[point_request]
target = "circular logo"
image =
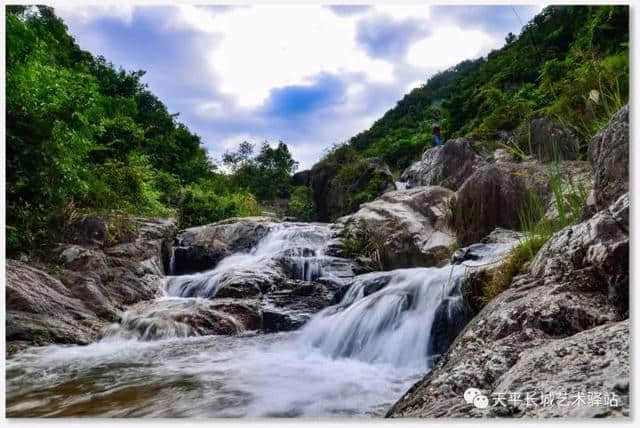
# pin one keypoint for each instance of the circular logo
(470, 394)
(481, 401)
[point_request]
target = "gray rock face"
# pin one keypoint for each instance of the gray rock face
(301, 178)
(88, 288)
(336, 196)
(201, 248)
(593, 361)
(412, 223)
(448, 165)
(89, 231)
(599, 246)
(557, 329)
(494, 196)
(40, 309)
(609, 155)
(551, 140)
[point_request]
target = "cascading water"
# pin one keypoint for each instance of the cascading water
(353, 358)
(401, 185)
(172, 260)
(301, 247)
(392, 325)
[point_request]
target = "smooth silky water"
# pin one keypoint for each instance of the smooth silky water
(352, 359)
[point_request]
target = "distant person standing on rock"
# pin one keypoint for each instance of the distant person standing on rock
(437, 139)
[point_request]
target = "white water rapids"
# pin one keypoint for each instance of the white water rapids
(353, 358)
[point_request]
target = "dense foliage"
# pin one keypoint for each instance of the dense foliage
(300, 204)
(570, 62)
(84, 136)
(267, 174)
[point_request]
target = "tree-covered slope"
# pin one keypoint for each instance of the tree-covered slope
(86, 137)
(554, 66)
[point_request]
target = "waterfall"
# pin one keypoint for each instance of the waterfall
(401, 185)
(172, 260)
(299, 247)
(391, 325)
(405, 317)
(193, 354)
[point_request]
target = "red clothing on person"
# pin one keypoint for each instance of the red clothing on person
(436, 131)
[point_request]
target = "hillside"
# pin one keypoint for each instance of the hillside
(560, 56)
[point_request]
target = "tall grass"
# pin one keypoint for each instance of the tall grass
(365, 241)
(569, 199)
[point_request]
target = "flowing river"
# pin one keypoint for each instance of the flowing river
(354, 358)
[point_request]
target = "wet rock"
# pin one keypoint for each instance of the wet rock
(201, 248)
(553, 311)
(609, 155)
(248, 283)
(494, 196)
(161, 319)
(448, 165)
(449, 320)
(293, 305)
(411, 224)
(336, 196)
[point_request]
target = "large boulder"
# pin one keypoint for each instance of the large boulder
(550, 140)
(42, 310)
(201, 248)
(495, 195)
(609, 155)
(448, 165)
(338, 189)
(411, 225)
(301, 178)
(88, 231)
(590, 364)
(558, 329)
(86, 286)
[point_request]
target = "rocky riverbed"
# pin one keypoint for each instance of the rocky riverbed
(264, 317)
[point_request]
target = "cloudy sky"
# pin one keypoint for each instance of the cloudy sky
(310, 75)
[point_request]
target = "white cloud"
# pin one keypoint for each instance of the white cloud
(237, 56)
(447, 46)
(265, 47)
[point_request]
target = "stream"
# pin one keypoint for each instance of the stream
(355, 358)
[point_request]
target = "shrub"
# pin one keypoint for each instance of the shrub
(301, 203)
(365, 241)
(200, 206)
(500, 279)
